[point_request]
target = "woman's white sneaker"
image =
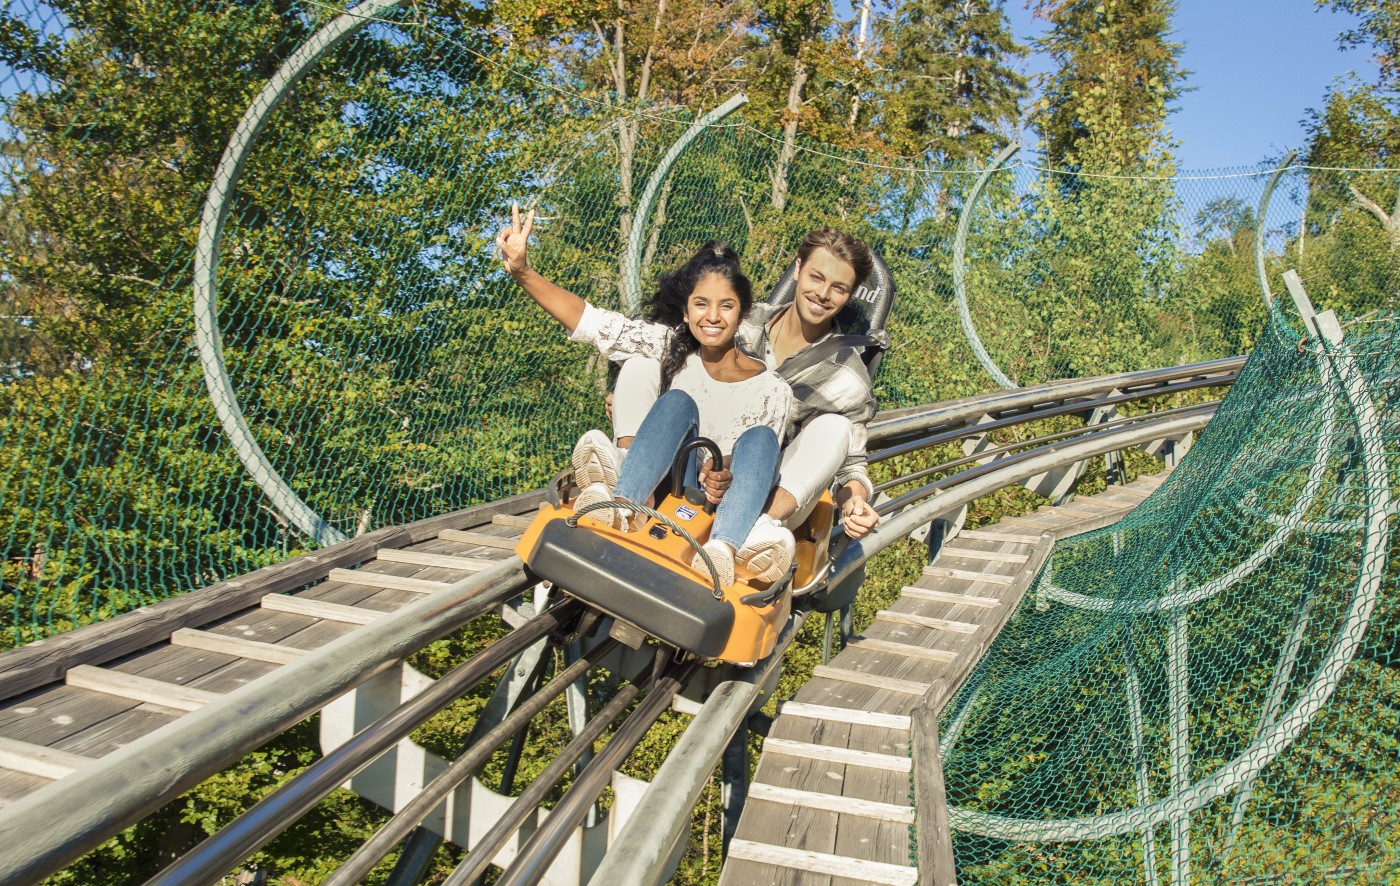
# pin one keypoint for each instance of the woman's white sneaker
(722, 556)
(768, 550)
(595, 460)
(617, 518)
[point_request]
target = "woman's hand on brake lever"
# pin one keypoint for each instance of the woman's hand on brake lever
(715, 482)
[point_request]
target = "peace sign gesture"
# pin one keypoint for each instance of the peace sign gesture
(513, 240)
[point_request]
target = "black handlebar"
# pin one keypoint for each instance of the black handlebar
(678, 467)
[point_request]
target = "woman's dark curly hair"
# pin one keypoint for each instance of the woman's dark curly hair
(667, 306)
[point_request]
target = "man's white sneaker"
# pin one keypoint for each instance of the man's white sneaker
(768, 550)
(595, 460)
(593, 493)
(722, 556)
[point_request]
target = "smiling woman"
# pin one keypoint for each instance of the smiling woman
(710, 390)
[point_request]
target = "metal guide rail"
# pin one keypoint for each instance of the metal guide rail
(140, 708)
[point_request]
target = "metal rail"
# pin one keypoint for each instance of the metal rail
(1050, 444)
(661, 820)
(902, 425)
(253, 829)
(56, 824)
(985, 454)
(546, 842)
(481, 855)
(473, 758)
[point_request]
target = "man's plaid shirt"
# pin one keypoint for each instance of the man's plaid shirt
(837, 384)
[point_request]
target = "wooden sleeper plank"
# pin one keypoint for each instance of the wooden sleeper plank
(123, 685)
(842, 756)
(968, 575)
(225, 644)
(925, 621)
(824, 863)
(320, 609)
(479, 538)
(974, 554)
(384, 580)
(986, 535)
(843, 715)
(949, 597)
(35, 759)
(832, 803)
(908, 650)
(514, 521)
(874, 681)
(443, 561)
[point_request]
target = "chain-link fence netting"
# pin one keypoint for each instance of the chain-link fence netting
(237, 197)
(1208, 689)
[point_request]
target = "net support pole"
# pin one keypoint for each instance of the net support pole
(1180, 702)
(636, 238)
(1133, 690)
(1260, 216)
(1302, 616)
(207, 336)
(960, 268)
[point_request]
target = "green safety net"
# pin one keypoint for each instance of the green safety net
(381, 361)
(1208, 690)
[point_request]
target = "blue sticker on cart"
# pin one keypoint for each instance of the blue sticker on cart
(684, 512)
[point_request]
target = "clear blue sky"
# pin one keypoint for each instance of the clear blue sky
(1256, 67)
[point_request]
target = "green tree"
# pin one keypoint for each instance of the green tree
(1105, 105)
(1352, 222)
(951, 94)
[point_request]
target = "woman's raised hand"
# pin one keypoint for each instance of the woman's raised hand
(513, 240)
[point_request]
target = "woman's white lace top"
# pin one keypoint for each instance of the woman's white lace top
(727, 409)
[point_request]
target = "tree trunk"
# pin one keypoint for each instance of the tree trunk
(800, 74)
(862, 36)
(1390, 221)
(659, 219)
(629, 130)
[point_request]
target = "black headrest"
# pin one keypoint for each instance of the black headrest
(866, 312)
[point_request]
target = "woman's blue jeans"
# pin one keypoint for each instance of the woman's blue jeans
(674, 421)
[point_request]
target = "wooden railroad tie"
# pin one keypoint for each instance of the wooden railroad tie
(35, 759)
(908, 650)
(384, 580)
(512, 520)
(925, 621)
(841, 756)
(986, 535)
(137, 688)
(975, 554)
(824, 863)
(950, 597)
(443, 561)
(241, 647)
(832, 803)
(864, 678)
(354, 615)
(843, 715)
(481, 539)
